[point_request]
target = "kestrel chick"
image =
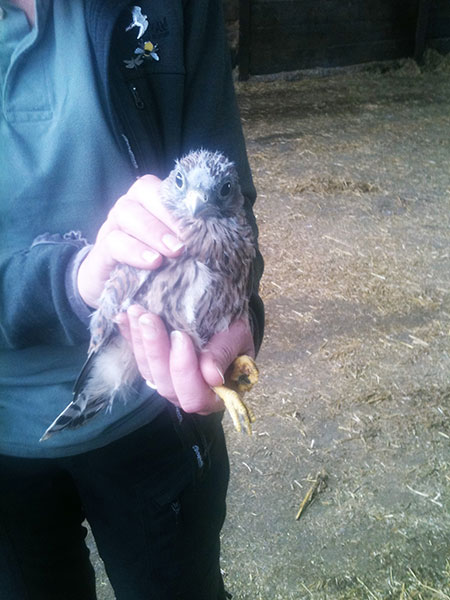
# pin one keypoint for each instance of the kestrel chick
(200, 292)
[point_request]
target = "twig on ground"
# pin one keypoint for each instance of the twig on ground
(320, 481)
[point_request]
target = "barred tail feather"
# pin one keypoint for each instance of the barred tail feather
(105, 374)
(76, 414)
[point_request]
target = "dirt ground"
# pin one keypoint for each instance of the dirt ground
(353, 173)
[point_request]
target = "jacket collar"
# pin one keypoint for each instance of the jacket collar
(102, 15)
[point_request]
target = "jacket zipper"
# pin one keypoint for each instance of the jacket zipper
(137, 99)
(133, 146)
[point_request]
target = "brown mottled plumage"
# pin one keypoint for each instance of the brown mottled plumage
(200, 292)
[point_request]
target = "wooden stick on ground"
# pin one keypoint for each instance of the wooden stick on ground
(318, 482)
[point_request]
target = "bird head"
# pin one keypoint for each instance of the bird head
(202, 185)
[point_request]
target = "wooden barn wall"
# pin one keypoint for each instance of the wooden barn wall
(285, 35)
(438, 34)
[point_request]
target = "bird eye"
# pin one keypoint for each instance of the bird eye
(179, 180)
(225, 189)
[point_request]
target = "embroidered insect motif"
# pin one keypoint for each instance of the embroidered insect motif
(148, 50)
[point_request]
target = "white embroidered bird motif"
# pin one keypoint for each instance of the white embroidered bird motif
(139, 20)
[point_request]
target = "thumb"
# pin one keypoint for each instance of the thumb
(223, 348)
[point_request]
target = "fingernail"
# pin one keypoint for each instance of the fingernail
(221, 374)
(150, 256)
(150, 384)
(172, 242)
(176, 337)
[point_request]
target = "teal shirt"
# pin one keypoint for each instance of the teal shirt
(60, 170)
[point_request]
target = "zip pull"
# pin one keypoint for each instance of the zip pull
(137, 99)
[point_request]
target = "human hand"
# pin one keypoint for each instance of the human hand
(139, 231)
(171, 364)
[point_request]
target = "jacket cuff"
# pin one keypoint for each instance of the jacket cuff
(77, 304)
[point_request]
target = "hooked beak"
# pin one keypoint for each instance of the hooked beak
(195, 201)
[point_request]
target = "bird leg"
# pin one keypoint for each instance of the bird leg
(240, 377)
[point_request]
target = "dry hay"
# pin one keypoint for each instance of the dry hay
(354, 219)
(435, 62)
(329, 185)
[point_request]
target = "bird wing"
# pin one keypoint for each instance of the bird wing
(119, 292)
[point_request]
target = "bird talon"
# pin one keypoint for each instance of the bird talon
(237, 409)
(239, 378)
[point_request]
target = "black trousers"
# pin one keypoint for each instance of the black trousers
(155, 501)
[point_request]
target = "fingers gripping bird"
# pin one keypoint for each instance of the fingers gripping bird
(200, 292)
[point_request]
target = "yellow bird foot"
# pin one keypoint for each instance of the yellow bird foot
(240, 377)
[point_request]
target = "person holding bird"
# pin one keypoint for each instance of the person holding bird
(127, 227)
